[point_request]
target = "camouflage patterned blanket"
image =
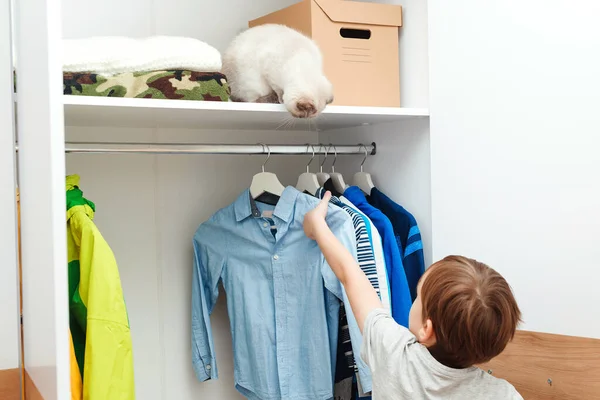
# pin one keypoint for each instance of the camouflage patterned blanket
(177, 84)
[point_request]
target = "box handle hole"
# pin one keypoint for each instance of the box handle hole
(350, 33)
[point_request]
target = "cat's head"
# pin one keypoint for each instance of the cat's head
(308, 98)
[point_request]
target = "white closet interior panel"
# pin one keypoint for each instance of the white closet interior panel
(213, 21)
(41, 166)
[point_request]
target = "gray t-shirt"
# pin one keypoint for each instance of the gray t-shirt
(402, 368)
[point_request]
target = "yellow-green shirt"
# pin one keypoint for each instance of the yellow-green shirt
(98, 316)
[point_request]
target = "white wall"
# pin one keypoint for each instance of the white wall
(9, 308)
(515, 144)
(148, 208)
(213, 21)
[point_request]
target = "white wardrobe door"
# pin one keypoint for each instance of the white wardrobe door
(515, 144)
(9, 307)
(41, 168)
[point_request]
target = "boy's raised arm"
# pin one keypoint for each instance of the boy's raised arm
(361, 294)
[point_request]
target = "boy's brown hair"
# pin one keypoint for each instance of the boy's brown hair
(473, 311)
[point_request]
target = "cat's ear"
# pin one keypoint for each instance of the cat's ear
(330, 100)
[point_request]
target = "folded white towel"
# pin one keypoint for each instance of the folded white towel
(114, 55)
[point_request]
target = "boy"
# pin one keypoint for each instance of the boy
(465, 314)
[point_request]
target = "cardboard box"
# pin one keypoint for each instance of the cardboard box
(359, 42)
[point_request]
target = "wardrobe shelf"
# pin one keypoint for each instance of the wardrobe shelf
(149, 113)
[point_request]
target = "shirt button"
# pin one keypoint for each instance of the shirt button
(265, 224)
(208, 367)
(275, 257)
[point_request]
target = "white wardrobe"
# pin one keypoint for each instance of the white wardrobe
(495, 152)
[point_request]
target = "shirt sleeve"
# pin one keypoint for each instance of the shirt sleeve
(205, 280)
(108, 338)
(383, 337)
(342, 227)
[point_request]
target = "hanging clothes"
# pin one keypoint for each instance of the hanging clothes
(282, 298)
(351, 388)
(98, 316)
(407, 234)
(76, 384)
(400, 293)
(346, 365)
(377, 246)
(364, 249)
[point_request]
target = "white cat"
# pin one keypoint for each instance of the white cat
(276, 64)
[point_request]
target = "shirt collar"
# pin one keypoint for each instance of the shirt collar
(375, 193)
(245, 206)
(355, 195)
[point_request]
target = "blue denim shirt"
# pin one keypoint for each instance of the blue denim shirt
(282, 297)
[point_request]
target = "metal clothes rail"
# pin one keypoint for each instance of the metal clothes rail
(190, 148)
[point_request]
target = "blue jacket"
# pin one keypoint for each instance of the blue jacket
(408, 237)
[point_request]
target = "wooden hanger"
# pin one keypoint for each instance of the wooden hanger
(265, 186)
(307, 181)
(363, 179)
(322, 176)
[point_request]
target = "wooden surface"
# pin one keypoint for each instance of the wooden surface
(572, 364)
(10, 384)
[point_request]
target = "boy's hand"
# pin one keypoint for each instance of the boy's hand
(315, 219)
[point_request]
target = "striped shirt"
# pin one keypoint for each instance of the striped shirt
(364, 248)
(384, 287)
(366, 261)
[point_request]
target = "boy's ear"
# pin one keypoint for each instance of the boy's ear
(427, 334)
